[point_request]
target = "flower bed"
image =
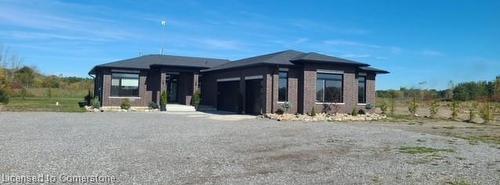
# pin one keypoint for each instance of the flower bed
(325, 117)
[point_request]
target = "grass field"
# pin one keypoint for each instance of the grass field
(43, 104)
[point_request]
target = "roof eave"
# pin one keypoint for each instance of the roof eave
(328, 62)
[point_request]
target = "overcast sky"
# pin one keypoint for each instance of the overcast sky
(417, 41)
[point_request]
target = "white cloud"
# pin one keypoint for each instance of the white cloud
(58, 25)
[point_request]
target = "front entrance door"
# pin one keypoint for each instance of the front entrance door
(253, 98)
(172, 84)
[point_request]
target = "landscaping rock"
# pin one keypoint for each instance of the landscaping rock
(325, 117)
(477, 119)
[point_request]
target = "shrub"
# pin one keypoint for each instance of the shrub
(354, 112)
(368, 106)
(383, 107)
(472, 111)
(412, 107)
(454, 109)
(163, 100)
(153, 105)
(313, 112)
(125, 104)
(4, 97)
(434, 108)
(286, 106)
(361, 111)
(196, 99)
(95, 103)
(486, 112)
(280, 111)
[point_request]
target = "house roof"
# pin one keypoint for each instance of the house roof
(312, 56)
(287, 57)
(368, 68)
(144, 62)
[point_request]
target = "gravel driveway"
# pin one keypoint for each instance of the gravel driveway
(156, 148)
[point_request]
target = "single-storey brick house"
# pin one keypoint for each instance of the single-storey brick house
(288, 80)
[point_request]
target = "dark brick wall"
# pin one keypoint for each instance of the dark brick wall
(301, 87)
(141, 101)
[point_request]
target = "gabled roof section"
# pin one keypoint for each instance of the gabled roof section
(367, 68)
(144, 62)
(316, 57)
(279, 58)
(287, 57)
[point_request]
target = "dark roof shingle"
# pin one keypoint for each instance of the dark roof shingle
(144, 62)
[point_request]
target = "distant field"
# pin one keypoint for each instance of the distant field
(401, 109)
(43, 104)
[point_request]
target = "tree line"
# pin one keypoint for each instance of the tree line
(17, 79)
(465, 91)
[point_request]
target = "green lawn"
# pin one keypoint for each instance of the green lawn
(43, 104)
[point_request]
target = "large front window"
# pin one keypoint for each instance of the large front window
(283, 87)
(329, 88)
(124, 84)
(361, 89)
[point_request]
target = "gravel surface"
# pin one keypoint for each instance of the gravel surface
(156, 148)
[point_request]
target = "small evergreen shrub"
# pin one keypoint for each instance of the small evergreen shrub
(196, 99)
(125, 104)
(354, 112)
(313, 112)
(163, 100)
(362, 112)
(280, 111)
(95, 103)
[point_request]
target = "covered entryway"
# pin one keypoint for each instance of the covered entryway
(228, 96)
(253, 96)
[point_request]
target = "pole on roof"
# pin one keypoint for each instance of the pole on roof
(164, 25)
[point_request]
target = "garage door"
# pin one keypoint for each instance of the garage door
(228, 96)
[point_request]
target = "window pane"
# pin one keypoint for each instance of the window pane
(115, 82)
(319, 90)
(125, 75)
(329, 76)
(333, 91)
(283, 86)
(123, 84)
(132, 83)
(361, 89)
